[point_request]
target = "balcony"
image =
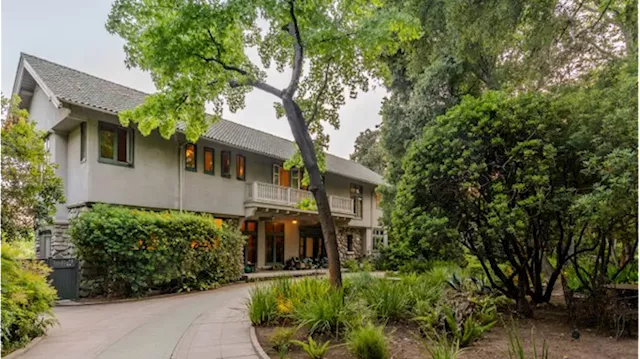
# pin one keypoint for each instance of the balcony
(279, 197)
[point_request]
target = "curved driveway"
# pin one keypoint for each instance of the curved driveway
(210, 325)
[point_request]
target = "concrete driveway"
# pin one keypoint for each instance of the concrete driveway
(208, 325)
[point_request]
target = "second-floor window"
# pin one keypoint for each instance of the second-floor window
(356, 196)
(116, 144)
(225, 164)
(241, 163)
(190, 157)
(209, 155)
(296, 181)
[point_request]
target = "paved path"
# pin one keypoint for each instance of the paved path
(208, 325)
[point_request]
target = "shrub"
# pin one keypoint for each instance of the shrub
(130, 251)
(352, 265)
(313, 349)
(262, 305)
(26, 299)
(368, 342)
(281, 338)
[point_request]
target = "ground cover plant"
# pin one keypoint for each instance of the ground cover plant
(358, 317)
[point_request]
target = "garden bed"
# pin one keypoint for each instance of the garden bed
(550, 325)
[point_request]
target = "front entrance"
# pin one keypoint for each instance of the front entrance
(312, 243)
(274, 243)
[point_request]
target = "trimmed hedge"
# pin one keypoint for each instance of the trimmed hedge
(130, 252)
(26, 299)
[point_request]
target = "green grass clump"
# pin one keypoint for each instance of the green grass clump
(389, 299)
(368, 342)
(323, 314)
(262, 305)
(442, 348)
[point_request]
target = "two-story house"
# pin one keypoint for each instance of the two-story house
(233, 172)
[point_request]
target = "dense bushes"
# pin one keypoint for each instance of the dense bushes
(26, 299)
(128, 252)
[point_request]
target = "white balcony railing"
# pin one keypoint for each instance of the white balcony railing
(285, 196)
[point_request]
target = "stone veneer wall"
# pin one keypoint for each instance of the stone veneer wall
(358, 240)
(61, 245)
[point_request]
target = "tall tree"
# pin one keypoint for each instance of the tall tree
(195, 51)
(368, 151)
(470, 47)
(30, 187)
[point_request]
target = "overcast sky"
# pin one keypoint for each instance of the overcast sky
(72, 33)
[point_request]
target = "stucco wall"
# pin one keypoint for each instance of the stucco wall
(41, 110)
(77, 170)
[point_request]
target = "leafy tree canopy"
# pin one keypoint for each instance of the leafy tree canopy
(517, 178)
(368, 151)
(195, 52)
(30, 187)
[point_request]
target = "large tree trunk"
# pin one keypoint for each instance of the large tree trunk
(309, 158)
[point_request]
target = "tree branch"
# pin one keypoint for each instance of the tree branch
(323, 88)
(259, 85)
(298, 53)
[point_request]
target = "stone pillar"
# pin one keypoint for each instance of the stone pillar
(357, 235)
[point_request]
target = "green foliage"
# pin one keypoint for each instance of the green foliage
(195, 52)
(262, 305)
(281, 338)
(26, 299)
(322, 314)
(30, 187)
(307, 204)
(470, 330)
(358, 265)
(368, 342)
(388, 299)
(131, 251)
(368, 151)
(314, 350)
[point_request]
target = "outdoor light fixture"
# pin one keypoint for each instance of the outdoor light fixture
(295, 221)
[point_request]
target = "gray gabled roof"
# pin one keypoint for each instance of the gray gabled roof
(79, 88)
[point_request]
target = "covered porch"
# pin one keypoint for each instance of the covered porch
(288, 239)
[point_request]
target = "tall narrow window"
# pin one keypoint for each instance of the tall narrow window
(115, 144)
(274, 243)
(83, 142)
(350, 242)
(209, 155)
(225, 164)
(241, 162)
(275, 174)
(190, 157)
(295, 178)
(356, 196)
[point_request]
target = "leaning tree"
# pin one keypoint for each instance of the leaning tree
(196, 54)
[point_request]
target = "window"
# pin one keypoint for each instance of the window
(83, 142)
(209, 155)
(116, 144)
(275, 174)
(250, 229)
(274, 242)
(225, 164)
(378, 239)
(191, 157)
(350, 242)
(378, 198)
(295, 178)
(240, 167)
(356, 195)
(47, 143)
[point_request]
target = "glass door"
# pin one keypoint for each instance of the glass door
(274, 243)
(250, 229)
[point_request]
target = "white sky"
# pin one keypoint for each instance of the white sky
(72, 33)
